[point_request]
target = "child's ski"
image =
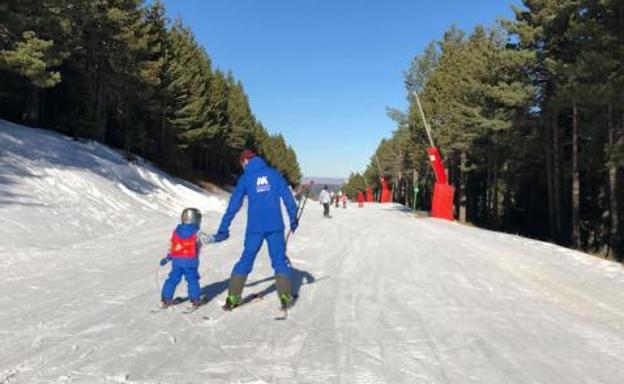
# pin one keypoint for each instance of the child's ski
(191, 308)
(158, 308)
(163, 307)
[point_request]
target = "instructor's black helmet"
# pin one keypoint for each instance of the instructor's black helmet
(191, 216)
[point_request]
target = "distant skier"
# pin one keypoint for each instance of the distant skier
(264, 188)
(360, 199)
(325, 199)
(186, 243)
(344, 201)
(337, 199)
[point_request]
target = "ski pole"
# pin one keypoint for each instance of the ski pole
(300, 208)
(296, 218)
(304, 196)
(305, 200)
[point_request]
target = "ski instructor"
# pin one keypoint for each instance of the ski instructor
(264, 187)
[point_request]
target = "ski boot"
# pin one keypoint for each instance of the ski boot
(286, 301)
(232, 301)
(284, 291)
(235, 292)
(163, 305)
(193, 306)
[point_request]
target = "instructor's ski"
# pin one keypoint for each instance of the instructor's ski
(164, 307)
(286, 309)
(251, 298)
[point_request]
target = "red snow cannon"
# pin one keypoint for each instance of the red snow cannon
(369, 195)
(443, 193)
(436, 164)
(386, 195)
(360, 199)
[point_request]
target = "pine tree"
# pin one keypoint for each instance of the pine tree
(22, 49)
(119, 72)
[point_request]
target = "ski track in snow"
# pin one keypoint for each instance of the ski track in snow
(384, 297)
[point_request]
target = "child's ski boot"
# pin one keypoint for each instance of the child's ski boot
(195, 304)
(164, 304)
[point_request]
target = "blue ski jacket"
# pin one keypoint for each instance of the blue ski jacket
(264, 187)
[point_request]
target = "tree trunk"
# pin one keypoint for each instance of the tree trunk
(576, 182)
(557, 176)
(495, 191)
(100, 109)
(487, 209)
(31, 113)
(163, 125)
(127, 141)
(414, 188)
(550, 184)
(613, 207)
(462, 188)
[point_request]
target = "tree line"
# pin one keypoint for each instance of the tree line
(529, 115)
(122, 73)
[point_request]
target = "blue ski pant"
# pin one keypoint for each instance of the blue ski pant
(192, 280)
(277, 252)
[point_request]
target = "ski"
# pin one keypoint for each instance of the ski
(286, 309)
(192, 308)
(161, 307)
(158, 308)
(284, 316)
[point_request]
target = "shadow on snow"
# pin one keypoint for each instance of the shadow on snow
(299, 278)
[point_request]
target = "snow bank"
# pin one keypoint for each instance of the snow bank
(54, 189)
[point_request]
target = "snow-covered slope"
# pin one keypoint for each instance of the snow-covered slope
(55, 190)
(384, 297)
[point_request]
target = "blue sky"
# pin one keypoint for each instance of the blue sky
(322, 72)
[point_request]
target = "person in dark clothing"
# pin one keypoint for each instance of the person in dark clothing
(325, 199)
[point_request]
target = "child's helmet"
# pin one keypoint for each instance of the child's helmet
(191, 216)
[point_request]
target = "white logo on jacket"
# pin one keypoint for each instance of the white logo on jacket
(262, 184)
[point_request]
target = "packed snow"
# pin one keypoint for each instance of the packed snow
(384, 297)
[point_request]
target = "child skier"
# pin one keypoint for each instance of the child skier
(186, 242)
